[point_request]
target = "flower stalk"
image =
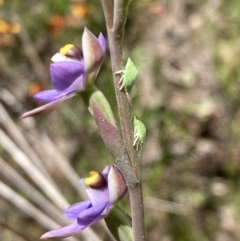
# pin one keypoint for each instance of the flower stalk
(73, 72)
(115, 36)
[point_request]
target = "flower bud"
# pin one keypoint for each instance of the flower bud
(106, 123)
(93, 52)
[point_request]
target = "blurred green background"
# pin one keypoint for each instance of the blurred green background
(187, 94)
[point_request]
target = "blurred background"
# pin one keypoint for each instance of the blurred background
(187, 94)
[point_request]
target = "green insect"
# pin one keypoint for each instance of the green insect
(139, 132)
(129, 75)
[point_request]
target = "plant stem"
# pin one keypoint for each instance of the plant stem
(108, 12)
(115, 36)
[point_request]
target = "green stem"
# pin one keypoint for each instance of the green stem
(115, 36)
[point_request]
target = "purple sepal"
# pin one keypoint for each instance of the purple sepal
(44, 108)
(73, 211)
(88, 216)
(63, 232)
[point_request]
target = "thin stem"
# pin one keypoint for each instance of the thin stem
(108, 12)
(120, 15)
(115, 36)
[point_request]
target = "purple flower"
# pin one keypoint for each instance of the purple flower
(71, 71)
(104, 191)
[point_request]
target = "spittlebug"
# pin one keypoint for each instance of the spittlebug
(139, 132)
(129, 75)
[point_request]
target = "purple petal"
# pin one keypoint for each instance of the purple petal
(91, 215)
(102, 41)
(97, 196)
(60, 58)
(105, 172)
(63, 232)
(48, 95)
(44, 108)
(76, 86)
(64, 74)
(73, 211)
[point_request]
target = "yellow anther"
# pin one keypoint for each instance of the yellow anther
(93, 177)
(65, 50)
(95, 180)
(71, 51)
